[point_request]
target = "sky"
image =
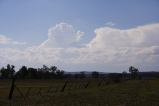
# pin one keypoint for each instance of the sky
(80, 35)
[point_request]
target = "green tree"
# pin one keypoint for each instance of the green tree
(95, 74)
(82, 74)
(4, 73)
(134, 72)
(59, 73)
(32, 73)
(22, 73)
(7, 72)
(124, 74)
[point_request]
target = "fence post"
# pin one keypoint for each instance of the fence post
(64, 86)
(100, 83)
(11, 89)
(87, 84)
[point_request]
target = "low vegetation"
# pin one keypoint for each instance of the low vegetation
(50, 93)
(49, 86)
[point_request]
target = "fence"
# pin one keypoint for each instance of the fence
(33, 95)
(131, 93)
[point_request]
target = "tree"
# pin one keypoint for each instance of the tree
(10, 69)
(95, 74)
(134, 72)
(59, 73)
(22, 73)
(82, 74)
(7, 72)
(32, 73)
(53, 69)
(4, 73)
(115, 77)
(124, 74)
(0, 74)
(45, 68)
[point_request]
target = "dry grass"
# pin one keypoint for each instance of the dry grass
(47, 92)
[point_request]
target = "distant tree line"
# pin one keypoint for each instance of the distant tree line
(53, 72)
(45, 72)
(31, 73)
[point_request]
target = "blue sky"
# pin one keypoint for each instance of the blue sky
(28, 21)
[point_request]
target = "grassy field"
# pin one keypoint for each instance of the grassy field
(77, 93)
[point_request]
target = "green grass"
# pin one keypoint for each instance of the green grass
(129, 93)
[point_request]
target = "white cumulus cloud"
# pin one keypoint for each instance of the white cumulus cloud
(111, 47)
(132, 46)
(62, 35)
(136, 37)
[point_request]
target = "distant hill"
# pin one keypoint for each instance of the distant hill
(86, 72)
(149, 74)
(145, 75)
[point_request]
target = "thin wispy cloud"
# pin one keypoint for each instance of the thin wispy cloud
(110, 24)
(8, 41)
